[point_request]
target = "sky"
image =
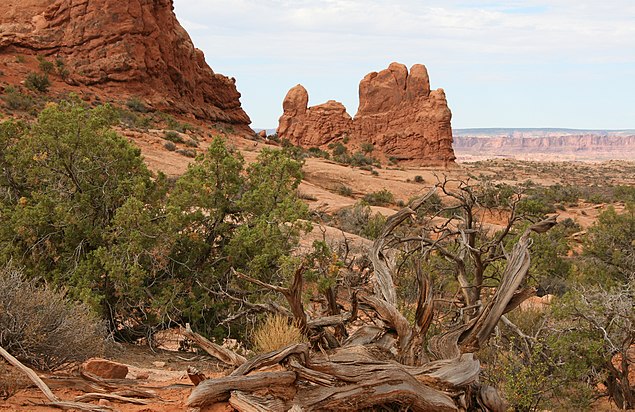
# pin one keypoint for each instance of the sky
(532, 63)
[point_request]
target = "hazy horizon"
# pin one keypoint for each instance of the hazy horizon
(511, 64)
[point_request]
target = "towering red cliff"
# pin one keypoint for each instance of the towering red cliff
(126, 47)
(397, 113)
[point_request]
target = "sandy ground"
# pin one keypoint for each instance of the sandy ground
(166, 376)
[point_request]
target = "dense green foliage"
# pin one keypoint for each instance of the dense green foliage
(610, 247)
(569, 350)
(81, 209)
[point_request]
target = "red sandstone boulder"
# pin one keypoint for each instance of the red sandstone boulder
(397, 113)
(105, 369)
(126, 48)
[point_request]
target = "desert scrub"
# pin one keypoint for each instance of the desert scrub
(359, 220)
(169, 146)
(173, 136)
(41, 327)
(136, 105)
(45, 65)
(60, 68)
(276, 332)
(11, 380)
(383, 197)
(14, 100)
(131, 119)
(317, 152)
(344, 190)
(187, 152)
(37, 82)
(191, 143)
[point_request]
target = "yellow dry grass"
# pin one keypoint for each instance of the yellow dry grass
(274, 333)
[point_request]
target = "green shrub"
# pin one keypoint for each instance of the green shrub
(37, 82)
(419, 179)
(535, 207)
(45, 65)
(317, 152)
(360, 159)
(191, 143)
(173, 136)
(296, 152)
(187, 152)
(133, 120)
(359, 220)
(367, 147)
(383, 197)
(338, 149)
(42, 328)
(174, 124)
(136, 105)
(169, 146)
(60, 68)
(343, 190)
(14, 100)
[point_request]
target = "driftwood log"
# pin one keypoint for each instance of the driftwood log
(392, 361)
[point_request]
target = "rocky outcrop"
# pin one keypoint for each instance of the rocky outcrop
(398, 114)
(129, 47)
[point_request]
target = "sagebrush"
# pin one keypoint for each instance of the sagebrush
(42, 328)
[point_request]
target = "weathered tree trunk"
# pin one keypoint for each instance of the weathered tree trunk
(223, 354)
(244, 402)
(364, 371)
(219, 390)
(350, 377)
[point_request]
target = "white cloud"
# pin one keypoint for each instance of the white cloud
(347, 38)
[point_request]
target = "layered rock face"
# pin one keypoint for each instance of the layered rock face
(132, 46)
(397, 113)
(538, 143)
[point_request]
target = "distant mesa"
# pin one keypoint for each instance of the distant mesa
(124, 47)
(398, 114)
(542, 143)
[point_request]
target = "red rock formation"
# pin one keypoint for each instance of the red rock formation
(397, 113)
(129, 47)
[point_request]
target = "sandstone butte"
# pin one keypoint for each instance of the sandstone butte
(126, 48)
(398, 114)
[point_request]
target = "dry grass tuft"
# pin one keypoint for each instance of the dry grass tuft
(276, 332)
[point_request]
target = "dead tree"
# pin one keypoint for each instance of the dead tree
(393, 360)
